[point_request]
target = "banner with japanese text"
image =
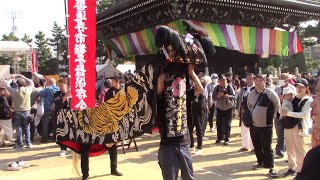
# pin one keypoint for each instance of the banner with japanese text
(82, 51)
(35, 61)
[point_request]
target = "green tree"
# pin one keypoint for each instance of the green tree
(104, 4)
(268, 64)
(6, 60)
(309, 35)
(101, 51)
(297, 60)
(312, 64)
(59, 45)
(44, 53)
(26, 38)
(10, 37)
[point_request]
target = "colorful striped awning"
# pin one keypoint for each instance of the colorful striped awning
(141, 42)
(248, 40)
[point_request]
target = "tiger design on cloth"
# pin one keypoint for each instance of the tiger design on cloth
(127, 115)
(113, 110)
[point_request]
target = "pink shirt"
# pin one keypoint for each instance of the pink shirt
(102, 94)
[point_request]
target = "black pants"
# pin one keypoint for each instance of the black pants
(262, 139)
(224, 124)
(32, 130)
(85, 158)
(198, 125)
(211, 116)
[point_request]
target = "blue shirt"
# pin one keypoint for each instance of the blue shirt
(48, 95)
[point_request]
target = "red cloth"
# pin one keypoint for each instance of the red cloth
(94, 150)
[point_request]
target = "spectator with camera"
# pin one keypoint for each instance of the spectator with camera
(225, 97)
(21, 90)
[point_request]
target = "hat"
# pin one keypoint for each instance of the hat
(222, 77)
(214, 76)
(302, 82)
(287, 90)
(3, 84)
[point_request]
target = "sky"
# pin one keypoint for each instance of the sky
(32, 16)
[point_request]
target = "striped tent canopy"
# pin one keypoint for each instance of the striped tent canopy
(248, 40)
(141, 42)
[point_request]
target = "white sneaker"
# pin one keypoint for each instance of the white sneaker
(198, 152)
(14, 167)
(212, 130)
(63, 153)
(23, 164)
(302, 134)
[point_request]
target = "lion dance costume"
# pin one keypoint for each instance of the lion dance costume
(130, 113)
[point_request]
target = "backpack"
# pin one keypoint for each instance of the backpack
(5, 109)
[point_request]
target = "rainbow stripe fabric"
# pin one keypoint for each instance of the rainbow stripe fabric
(248, 40)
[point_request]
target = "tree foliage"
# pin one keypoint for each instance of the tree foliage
(59, 45)
(297, 60)
(26, 38)
(309, 35)
(101, 51)
(44, 52)
(104, 4)
(6, 60)
(10, 37)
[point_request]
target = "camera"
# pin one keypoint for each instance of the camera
(224, 92)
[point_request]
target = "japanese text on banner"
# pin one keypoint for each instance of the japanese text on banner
(81, 25)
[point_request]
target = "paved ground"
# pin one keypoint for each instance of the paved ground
(218, 162)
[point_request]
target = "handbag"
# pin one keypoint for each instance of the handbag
(247, 114)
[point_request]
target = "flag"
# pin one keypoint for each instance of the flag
(82, 51)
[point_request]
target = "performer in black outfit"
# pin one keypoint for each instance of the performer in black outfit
(112, 149)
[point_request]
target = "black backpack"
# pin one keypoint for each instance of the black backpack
(5, 110)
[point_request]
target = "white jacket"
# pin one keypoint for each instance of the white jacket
(304, 114)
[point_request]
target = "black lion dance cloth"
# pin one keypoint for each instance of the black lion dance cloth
(130, 113)
(127, 115)
(176, 52)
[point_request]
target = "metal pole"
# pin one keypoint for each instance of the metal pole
(67, 37)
